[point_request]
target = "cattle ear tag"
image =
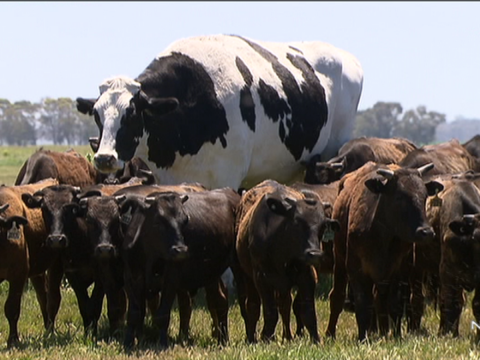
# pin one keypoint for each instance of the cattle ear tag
(328, 234)
(127, 217)
(436, 201)
(14, 232)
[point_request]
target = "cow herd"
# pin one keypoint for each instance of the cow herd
(227, 153)
(387, 228)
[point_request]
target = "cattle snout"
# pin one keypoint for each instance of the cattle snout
(424, 233)
(313, 256)
(105, 163)
(105, 251)
(178, 252)
(59, 241)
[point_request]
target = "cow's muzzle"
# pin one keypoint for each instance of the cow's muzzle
(178, 252)
(58, 241)
(105, 251)
(424, 233)
(105, 163)
(312, 257)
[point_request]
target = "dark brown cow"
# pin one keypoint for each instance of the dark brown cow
(278, 240)
(449, 158)
(186, 239)
(454, 256)
(23, 256)
(381, 209)
(67, 233)
(355, 153)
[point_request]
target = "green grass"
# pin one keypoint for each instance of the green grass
(68, 341)
(13, 157)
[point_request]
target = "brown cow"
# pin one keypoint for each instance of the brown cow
(23, 256)
(473, 146)
(381, 209)
(448, 157)
(70, 167)
(278, 235)
(355, 153)
(454, 255)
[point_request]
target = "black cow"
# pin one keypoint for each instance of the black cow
(185, 241)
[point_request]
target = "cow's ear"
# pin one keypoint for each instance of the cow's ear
(85, 106)
(19, 220)
(157, 106)
(460, 227)
(376, 185)
(333, 224)
(279, 206)
(32, 202)
(433, 187)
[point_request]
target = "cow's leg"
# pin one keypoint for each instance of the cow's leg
(396, 305)
(284, 302)
(217, 302)
(337, 295)
(80, 287)
(269, 307)
(297, 311)
(306, 296)
(13, 305)
(476, 311)
(39, 284)
(362, 288)
(417, 299)
(135, 287)
(381, 297)
(451, 304)
(95, 305)
(54, 296)
(116, 308)
(185, 313)
(162, 317)
(252, 309)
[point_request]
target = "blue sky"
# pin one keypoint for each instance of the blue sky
(414, 53)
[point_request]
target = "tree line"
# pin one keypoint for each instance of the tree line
(57, 121)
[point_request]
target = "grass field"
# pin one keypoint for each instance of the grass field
(68, 341)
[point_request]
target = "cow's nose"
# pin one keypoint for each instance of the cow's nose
(178, 252)
(105, 251)
(104, 161)
(57, 241)
(313, 256)
(424, 233)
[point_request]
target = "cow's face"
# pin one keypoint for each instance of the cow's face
(53, 202)
(118, 113)
(401, 209)
(298, 222)
(102, 216)
(462, 248)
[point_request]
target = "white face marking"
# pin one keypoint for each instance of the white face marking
(115, 96)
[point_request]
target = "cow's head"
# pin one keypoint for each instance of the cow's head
(461, 247)
(118, 113)
(300, 224)
(102, 216)
(54, 203)
(402, 197)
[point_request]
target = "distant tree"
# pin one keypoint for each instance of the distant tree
(378, 121)
(17, 121)
(460, 129)
(419, 125)
(386, 120)
(63, 124)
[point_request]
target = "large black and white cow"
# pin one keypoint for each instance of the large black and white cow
(225, 110)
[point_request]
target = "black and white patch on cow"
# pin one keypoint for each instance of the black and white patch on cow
(228, 111)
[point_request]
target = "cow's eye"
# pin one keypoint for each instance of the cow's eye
(129, 112)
